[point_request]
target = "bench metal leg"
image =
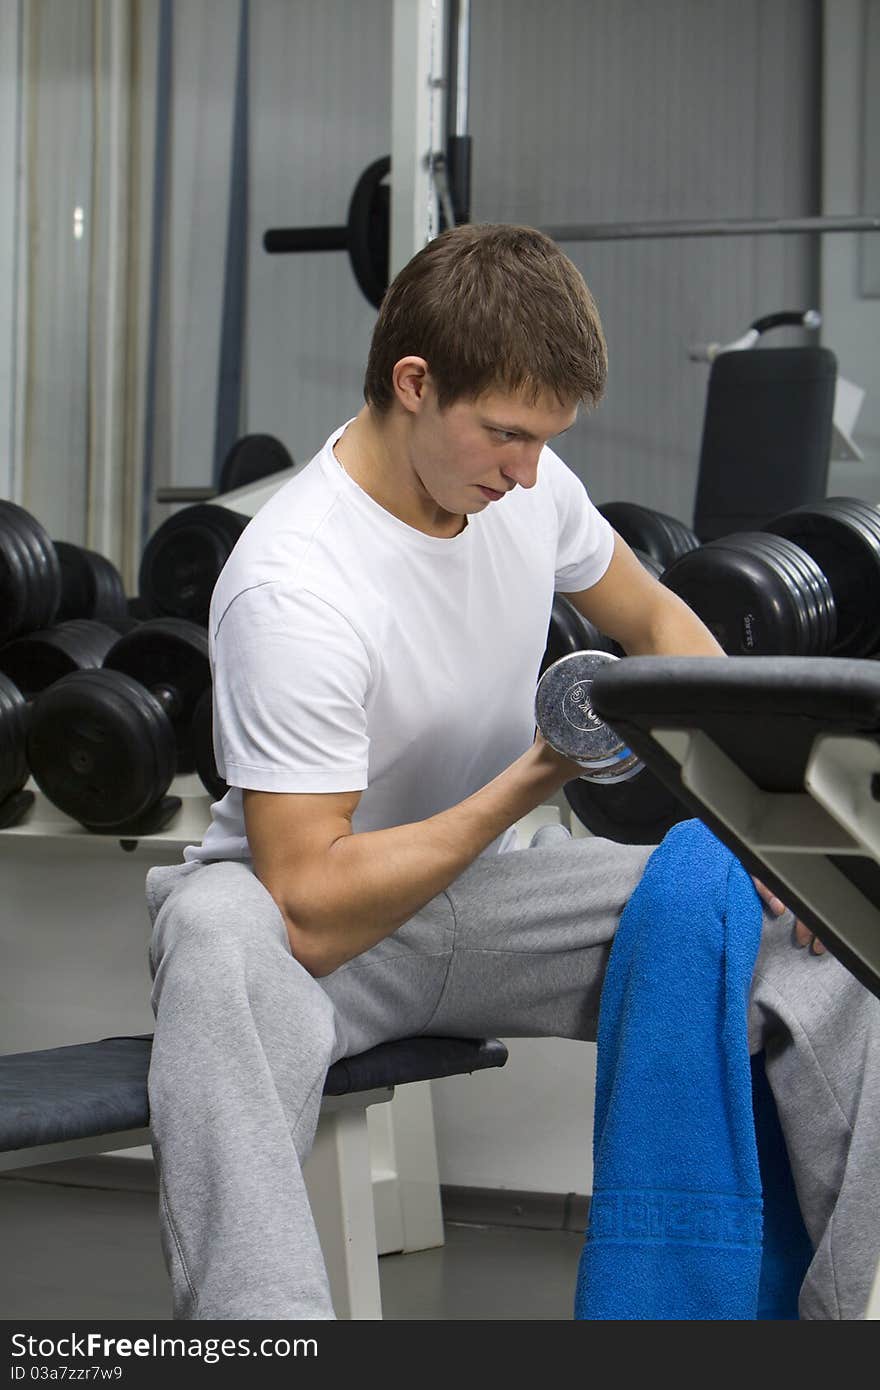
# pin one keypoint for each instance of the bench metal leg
(339, 1183)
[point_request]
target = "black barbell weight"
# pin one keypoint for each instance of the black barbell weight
(30, 574)
(105, 745)
(661, 538)
(183, 558)
(28, 666)
(91, 587)
(366, 235)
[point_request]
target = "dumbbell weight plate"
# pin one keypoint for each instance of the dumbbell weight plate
(842, 534)
(37, 660)
(91, 586)
(100, 748)
(565, 718)
(203, 742)
(661, 537)
(569, 632)
(168, 654)
(13, 733)
(807, 585)
(183, 559)
(743, 597)
(30, 576)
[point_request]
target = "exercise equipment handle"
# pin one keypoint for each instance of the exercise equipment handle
(280, 241)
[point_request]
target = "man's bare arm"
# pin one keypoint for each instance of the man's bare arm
(340, 892)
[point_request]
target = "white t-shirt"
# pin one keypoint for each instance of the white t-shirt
(351, 652)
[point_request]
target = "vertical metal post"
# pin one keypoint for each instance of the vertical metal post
(416, 124)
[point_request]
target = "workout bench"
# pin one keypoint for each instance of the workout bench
(91, 1098)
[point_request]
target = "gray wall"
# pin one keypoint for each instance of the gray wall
(581, 110)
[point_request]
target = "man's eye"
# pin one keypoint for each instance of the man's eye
(504, 434)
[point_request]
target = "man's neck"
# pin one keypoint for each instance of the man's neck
(374, 451)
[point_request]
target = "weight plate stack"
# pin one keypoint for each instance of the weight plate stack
(30, 575)
(169, 658)
(91, 587)
(757, 600)
(842, 537)
(663, 538)
(183, 559)
(203, 743)
(38, 660)
(99, 748)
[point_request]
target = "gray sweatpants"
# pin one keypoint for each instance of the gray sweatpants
(516, 947)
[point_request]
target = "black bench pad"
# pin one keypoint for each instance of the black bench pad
(89, 1089)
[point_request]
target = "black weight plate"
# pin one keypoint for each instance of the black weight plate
(822, 611)
(100, 748)
(252, 457)
(91, 585)
(169, 657)
(203, 743)
(569, 632)
(16, 582)
(38, 659)
(741, 597)
(369, 234)
(682, 539)
(44, 567)
(183, 559)
(842, 534)
(804, 619)
(804, 607)
(640, 527)
(637, 812)
(13, 736)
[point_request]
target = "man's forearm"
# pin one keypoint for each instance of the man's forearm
(368, 884)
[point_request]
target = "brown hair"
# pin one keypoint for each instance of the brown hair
(490, 306)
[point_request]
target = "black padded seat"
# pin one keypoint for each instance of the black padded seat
(90, 1089)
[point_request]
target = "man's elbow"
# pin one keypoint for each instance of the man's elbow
(311, 948)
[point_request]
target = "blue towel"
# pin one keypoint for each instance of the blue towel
(676, 1215)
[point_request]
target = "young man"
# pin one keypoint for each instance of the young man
(376, 637)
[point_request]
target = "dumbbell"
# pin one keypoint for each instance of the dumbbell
(615, 796)
(91, 587)
(28, 666)
(807, 584)
(566, 720)
(658, 537)
(104, 745)
(183, 558)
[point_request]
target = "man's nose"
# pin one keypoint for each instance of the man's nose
(524, 468)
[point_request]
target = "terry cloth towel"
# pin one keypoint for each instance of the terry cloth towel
(675, 1226)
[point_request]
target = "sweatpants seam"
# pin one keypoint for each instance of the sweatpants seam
(444, 989)
(172, 1226)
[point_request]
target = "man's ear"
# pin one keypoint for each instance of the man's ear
(410, 378)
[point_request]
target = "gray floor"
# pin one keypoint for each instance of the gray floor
(75, 1251)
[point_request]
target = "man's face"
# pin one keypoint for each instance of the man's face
(470, 455)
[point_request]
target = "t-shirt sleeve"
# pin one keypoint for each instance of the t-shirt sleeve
(585, 539)
(291, 680)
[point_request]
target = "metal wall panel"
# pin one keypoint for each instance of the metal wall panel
(321, 111)
(583, 111)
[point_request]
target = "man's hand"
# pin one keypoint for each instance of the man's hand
(802, 935)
